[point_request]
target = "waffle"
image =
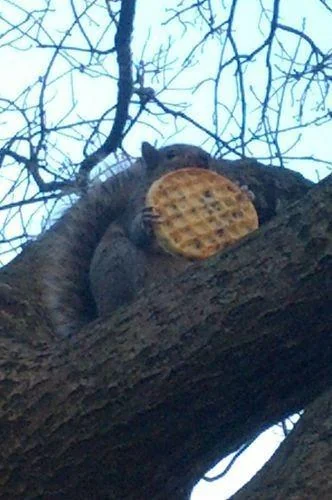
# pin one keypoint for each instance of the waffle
(197, 212)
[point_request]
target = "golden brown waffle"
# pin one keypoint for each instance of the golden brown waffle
(200, 212)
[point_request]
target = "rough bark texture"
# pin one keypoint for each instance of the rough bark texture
(140, 405)
(302, 466)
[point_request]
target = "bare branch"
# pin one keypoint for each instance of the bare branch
(125, 87)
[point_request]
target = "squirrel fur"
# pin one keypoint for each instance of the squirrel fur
(104, 251)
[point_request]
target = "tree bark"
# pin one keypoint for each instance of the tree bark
(140, 405)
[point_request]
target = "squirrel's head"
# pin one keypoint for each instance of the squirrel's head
(174, 157)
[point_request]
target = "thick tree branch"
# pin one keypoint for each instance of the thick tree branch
(188, 373)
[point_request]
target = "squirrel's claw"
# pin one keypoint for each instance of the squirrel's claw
(246, 190)
(149, 217)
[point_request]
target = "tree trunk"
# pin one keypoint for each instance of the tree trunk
(140, 405)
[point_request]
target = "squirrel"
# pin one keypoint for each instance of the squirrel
(104, 250)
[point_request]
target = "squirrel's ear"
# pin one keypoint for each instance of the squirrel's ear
(150, 155)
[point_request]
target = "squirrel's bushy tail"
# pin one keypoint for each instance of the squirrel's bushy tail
(66, 291)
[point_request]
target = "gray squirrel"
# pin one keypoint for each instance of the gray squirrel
(104, 251)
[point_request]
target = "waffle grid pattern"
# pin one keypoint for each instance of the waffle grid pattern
(201, 212)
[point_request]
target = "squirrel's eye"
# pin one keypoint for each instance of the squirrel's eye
(203, 157)
(171, 154)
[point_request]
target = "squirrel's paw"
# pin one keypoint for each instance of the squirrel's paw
(149, 217)
(245, 190)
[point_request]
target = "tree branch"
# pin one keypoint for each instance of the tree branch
(224, 348)
(125, 87)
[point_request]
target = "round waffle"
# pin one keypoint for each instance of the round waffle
(198, 212)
